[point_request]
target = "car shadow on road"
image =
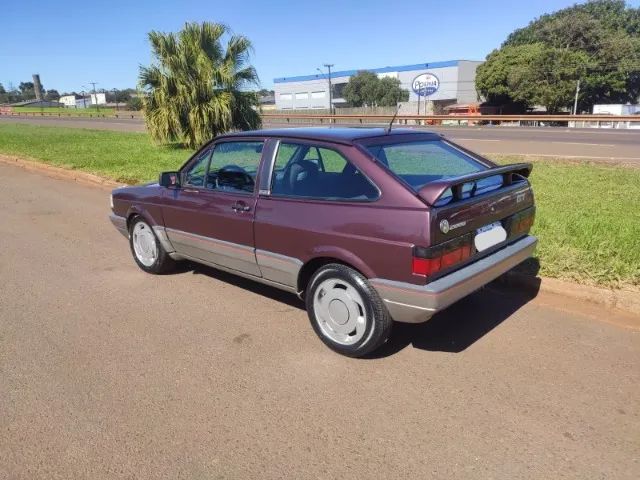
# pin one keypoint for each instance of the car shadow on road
(462, 324)
(246, 284)
(453, 330)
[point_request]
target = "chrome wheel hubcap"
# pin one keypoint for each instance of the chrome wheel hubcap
(339, 311)
(144, 244)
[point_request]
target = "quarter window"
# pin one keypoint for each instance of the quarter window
(310, 171)
(234, 166)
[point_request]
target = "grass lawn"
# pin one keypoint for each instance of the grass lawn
(588, 217)
(124, 157)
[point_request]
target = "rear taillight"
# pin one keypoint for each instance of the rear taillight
(428, 261)
(521, 222)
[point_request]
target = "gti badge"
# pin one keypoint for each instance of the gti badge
(444, 226)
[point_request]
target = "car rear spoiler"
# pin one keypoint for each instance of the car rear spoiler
(432, 191)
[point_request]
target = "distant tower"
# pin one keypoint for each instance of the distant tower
(37, 86)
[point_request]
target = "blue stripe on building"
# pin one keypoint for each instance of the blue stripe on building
(348, 73)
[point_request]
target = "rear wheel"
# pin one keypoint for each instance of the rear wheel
(146, 249)
(346, 312)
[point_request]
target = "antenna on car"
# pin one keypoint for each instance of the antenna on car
(393, 118)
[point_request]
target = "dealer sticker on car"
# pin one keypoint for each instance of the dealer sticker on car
(489, 235)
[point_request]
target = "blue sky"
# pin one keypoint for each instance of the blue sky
(71, 43)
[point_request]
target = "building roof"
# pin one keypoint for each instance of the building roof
(36, 102)
(348, 73)
(343, 135)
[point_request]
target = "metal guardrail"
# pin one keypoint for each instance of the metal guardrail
(440, 118)
(351, 118)
(69, 115)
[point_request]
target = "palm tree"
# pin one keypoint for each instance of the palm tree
(196, 89)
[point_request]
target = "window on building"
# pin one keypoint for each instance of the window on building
(318, 94)
(338, 89)
(309, 171)
(302, 95)
(286, 97)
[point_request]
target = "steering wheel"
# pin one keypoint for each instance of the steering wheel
(235, 177)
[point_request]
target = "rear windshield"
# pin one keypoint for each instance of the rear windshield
(424, 161)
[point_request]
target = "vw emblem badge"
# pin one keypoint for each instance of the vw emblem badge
(444, 226)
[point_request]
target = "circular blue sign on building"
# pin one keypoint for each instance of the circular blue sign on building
(425, 84)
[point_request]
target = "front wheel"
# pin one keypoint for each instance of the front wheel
(346, 312)
(146, 249)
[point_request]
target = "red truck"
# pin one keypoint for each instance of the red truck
(367, 226)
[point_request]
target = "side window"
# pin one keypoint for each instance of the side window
(234, 166)
(194, 176)
(309, 171)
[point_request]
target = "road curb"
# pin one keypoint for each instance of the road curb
(60, 172)
(624, 299)
(627, 300)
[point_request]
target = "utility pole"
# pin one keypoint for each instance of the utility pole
(329, 65)
(95, 97)
(575, 101)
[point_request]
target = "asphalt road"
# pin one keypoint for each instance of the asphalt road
(107, 372)
(617, 146)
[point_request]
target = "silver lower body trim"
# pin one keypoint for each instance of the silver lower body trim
(279, 268)
(411, 303)
(264, 281)
(120, 223)
(237, 257)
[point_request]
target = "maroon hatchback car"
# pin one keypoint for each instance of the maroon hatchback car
(367, 226)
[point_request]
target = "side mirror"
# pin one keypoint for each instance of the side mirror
(169, 179)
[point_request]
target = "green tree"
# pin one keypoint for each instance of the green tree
(197, 88)
(389, 93)
(532, 74)
(598, 42)
(361, 88)
(26, 87)
(52, 95)
(134, 104)
(367, 89)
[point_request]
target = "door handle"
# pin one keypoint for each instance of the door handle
(190, 190)
(239, 207)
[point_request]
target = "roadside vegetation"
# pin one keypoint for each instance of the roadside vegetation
(596, 43)
(366, 89)
(588, 217)
(197, 87)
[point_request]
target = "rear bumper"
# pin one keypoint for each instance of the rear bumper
(411, 303)
(120, 223)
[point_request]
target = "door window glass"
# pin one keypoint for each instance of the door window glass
(234, 166)
(195, 174)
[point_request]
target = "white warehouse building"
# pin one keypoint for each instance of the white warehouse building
(77, 101)
(443, 83)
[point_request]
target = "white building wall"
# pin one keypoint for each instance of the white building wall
(467, 92)
(456, 85)
(68, 100)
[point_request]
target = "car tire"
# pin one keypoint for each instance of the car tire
(346, 312)
(147, 250)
